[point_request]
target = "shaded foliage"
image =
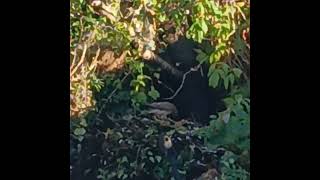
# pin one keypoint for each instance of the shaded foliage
(111, 80)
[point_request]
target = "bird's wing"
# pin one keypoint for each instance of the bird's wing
(163, 106)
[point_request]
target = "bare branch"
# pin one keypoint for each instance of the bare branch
(95, 61)
(74, 59)
(166, 66)
(167, 87)
(182, 83)
(81, 60)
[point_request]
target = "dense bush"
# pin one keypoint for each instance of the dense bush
(111, 81)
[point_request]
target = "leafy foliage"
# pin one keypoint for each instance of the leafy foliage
(231, 127)
(231, 170)
(231, 130)
(113, 25)
(110, 83)
(221, 72)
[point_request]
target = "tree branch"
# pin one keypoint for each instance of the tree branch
(81, 60)
(166, 66)
(182, 83)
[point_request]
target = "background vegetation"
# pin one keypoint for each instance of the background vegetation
(110, 82)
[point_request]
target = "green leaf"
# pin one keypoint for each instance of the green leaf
(220, 72)
(150, 153)
(226, 82)
(226, 26)
(100, 176)
(79, 131)
(215, 57)
(214, 79)
(221, 46)
(237, 72)
(76, 23)
(119, 134)
(204, 26)
(231, 161)
(211, 70)
(113, 174)
(156, 75)
(225, 67)
(154, 94)
(188, 35)
(142, 164)
(158, 158)
(201, 58)
(124, 176)
(212, 58)
(140, 77)
(182, 172)
(124, 159)
(225, 116)
(201, 8)
(141, 97)
(134, 164)
(199, 51)
(120, 173)
(160, 172)
(213, 116)
(142, 83)
(89, 19)
(80, 138)
(151, 159)
(162, 17)
(83, 123)
(116, 82)
(231, 78)
(200, 36)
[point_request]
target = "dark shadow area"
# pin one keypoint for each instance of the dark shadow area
(196, 99)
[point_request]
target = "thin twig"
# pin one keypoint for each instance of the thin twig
(81, 31)
(74, 59)
(115, 90)
(110, 96)
(137, 158)
(167, 87)
(94, 62)
(182, 83)
(81, 60)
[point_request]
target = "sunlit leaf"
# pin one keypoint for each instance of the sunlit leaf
(201, 8)
(204, 26)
